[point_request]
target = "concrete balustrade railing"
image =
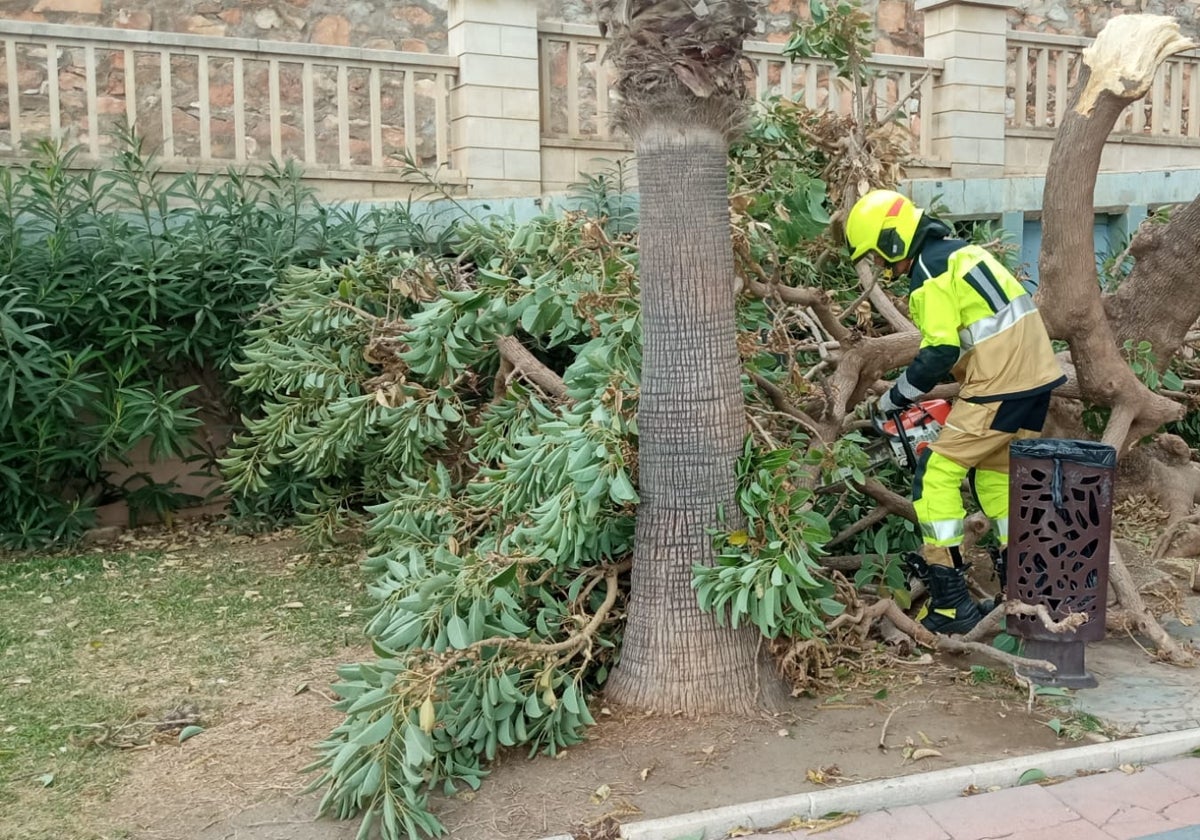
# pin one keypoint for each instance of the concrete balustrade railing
(521, 106)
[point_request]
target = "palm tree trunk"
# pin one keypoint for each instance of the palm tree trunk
(691, 427)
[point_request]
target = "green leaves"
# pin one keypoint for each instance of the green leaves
(842, 35)
(765, 574)
(1031, 776)
(189, 732)
(125, 288)
(493, 512)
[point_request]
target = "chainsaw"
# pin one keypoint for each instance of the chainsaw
(901, 436)
(907, 433)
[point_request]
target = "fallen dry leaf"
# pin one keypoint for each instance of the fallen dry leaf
(600, 794)
(925, 752)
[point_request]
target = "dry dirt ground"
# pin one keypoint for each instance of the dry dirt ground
(242, 782)
(243, 779)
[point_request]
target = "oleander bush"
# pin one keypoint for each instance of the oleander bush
(126, 292)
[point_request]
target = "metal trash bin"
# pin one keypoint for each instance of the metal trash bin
(1060, 527)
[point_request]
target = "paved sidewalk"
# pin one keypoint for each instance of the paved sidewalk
(1094, 799)
(1161, 802)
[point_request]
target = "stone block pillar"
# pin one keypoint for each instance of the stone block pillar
(969, 36)
(495, 128)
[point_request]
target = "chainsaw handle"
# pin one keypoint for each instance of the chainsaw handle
(909, 455)
(877, 418)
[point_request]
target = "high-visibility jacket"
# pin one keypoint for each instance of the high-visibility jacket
(978, 323)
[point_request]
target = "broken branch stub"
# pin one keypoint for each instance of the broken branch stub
(1126, 54)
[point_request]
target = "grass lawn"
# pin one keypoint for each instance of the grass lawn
(100, 649)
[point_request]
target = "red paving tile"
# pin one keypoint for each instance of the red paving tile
(1186, 771)
(1079, 829)
(1129, 823)
(1002, 813)
(1101, 796)
(1185, 812)
(1103, 806)
(896, 824)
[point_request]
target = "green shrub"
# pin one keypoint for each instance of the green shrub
(125, 294)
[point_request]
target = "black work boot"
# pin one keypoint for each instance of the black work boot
(917, 568)
(950, 609)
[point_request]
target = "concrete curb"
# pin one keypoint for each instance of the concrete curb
(917, 789)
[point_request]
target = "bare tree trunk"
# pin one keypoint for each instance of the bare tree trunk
(1116, 70)
(1157, 302)
(691, 426)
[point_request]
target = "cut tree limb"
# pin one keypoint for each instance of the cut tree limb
(1168, 649)
(889, 609)
(1042, 613)
(880, 300)
(526, 364)
(781, 403)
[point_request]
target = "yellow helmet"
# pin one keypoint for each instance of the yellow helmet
(882, 221)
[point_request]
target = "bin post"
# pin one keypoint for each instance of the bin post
(1060, 529)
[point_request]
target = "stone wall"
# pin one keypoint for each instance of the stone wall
(420, 25)
(415, 26)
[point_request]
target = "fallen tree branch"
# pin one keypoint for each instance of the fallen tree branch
(880, 300)
(1167, 648)
(526, 364)
(842, 562)
(1163, 543)
(893, 636)
(877, 515)
(988, 626)
(894, 502)
(902, 101)
(780, 401)
(891, 610)
(572, 643)
(957, 645)
(1040, 611)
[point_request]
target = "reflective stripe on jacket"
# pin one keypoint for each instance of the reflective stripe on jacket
(977, 322)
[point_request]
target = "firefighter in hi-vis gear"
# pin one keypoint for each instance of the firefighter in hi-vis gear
(978, 323)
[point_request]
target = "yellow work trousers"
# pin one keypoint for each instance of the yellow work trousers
(972, 444)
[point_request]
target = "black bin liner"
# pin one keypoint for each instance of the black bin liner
(1060, 526)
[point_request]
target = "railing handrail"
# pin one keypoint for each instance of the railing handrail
(63, 34)
(1052, 39)
(889, 60)
(276, 63)
(1042, 69)
(591, 32)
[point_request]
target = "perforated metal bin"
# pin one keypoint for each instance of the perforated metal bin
(1060, 527)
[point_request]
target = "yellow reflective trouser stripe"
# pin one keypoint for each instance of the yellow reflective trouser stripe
(940, 509)
(944, 532)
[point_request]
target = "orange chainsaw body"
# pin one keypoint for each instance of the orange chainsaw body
(921, 423)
